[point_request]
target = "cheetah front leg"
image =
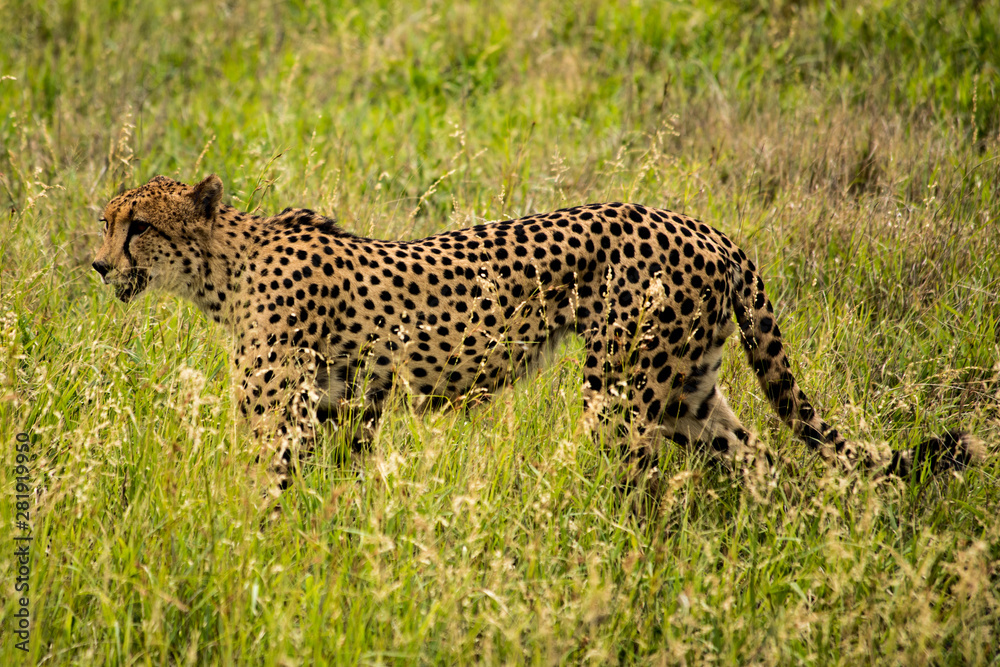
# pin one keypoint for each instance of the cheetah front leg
(351, 395)
(279, 399)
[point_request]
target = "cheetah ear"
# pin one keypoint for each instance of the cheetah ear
(207, 195)
(121, 189)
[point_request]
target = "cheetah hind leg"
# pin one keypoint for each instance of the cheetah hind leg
(711, 428)
(714, 429)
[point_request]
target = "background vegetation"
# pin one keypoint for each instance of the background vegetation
(851, 147)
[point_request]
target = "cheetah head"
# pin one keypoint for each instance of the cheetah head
(153, 231)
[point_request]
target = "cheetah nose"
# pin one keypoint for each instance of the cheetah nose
(102, 268)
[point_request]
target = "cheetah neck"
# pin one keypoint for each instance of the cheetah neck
(216, 283)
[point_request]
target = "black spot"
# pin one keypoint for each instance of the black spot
(677, 409)
(811, 436)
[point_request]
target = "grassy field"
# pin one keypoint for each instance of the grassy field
(852, 148)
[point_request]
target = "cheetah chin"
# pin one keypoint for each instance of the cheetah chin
(133, 284)
(326, 323)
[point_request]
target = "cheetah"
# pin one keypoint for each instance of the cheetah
(325, 323)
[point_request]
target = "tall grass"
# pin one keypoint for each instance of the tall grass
(852, 148)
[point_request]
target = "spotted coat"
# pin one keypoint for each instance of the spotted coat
(326, 323)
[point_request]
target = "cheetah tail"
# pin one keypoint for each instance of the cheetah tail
(765, 351)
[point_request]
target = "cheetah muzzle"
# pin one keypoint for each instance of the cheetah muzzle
(325, 323)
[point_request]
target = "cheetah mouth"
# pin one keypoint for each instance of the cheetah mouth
(133, 283)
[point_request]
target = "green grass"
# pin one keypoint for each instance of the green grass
(852, 149)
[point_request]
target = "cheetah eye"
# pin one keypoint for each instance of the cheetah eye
(138, 227)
